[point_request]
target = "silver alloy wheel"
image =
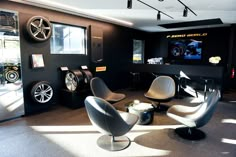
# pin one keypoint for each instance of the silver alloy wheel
(42, 92)
(71, 81)
(39, 28)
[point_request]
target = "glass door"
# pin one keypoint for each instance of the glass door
(11, 91)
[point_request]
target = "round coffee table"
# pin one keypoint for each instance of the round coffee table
(144, 110)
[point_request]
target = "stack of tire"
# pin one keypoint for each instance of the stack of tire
(77, 79)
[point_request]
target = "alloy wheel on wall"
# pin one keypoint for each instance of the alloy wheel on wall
(39, 28)
(42, 92)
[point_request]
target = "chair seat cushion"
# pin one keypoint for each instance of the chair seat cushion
(180, 117)
(157, 96)
(114, 97)
(184, 114)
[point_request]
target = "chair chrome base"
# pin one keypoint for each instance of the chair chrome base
(113, 144)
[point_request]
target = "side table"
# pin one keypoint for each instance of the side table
(144, 110)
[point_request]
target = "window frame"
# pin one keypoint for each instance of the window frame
(85, 40)
(142, 53)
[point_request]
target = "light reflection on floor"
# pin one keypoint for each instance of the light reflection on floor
(11, 100)
(66, 137)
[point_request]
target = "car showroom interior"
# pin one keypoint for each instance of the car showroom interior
(127, 78)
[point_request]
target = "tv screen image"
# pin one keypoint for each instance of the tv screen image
(189, 49)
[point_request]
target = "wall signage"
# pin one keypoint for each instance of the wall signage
(100, 69)
(186, 35)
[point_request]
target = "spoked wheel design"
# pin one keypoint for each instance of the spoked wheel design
(42, 92)
(39, 28)
(12, 76)
(72, 79)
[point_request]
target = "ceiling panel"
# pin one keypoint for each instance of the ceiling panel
(141, 16)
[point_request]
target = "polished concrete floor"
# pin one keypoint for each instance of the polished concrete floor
(65, 132)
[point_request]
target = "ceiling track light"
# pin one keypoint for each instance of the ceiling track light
(158, 15)
(186, 9)
(159, 12)
(129, 4)
(185, 12)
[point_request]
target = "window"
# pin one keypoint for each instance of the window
(68, 39)
(10, 47)
(138, 51)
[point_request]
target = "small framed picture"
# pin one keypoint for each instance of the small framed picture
(37, 61)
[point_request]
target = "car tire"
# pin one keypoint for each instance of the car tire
(39, 28)
(73, 79)
(42, 92)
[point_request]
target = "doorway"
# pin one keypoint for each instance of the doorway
(11, 91)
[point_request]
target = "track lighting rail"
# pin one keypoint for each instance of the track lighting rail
(185, 12)
(187, 7)
(155, 8)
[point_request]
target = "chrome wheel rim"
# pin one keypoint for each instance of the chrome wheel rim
(43, 93)
(71, 81)
(39, 28)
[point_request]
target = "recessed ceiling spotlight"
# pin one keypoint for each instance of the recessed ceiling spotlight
(161, 0)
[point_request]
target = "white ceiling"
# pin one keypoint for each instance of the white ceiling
(143, 17)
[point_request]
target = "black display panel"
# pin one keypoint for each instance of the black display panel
(185, 49)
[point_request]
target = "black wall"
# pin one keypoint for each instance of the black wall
(117, 53)
(216, 43)
(220, 41)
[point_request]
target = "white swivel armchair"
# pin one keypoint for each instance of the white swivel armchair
(162, 89)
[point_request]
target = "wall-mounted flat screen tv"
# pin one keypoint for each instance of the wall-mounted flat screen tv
(185, 49)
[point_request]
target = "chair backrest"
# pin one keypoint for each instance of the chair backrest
(99, 88)
(164, 85)
(207, 108)
(105, 117)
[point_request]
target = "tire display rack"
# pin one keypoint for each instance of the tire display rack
(73, 79)
(77, 86)
(77, 79)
